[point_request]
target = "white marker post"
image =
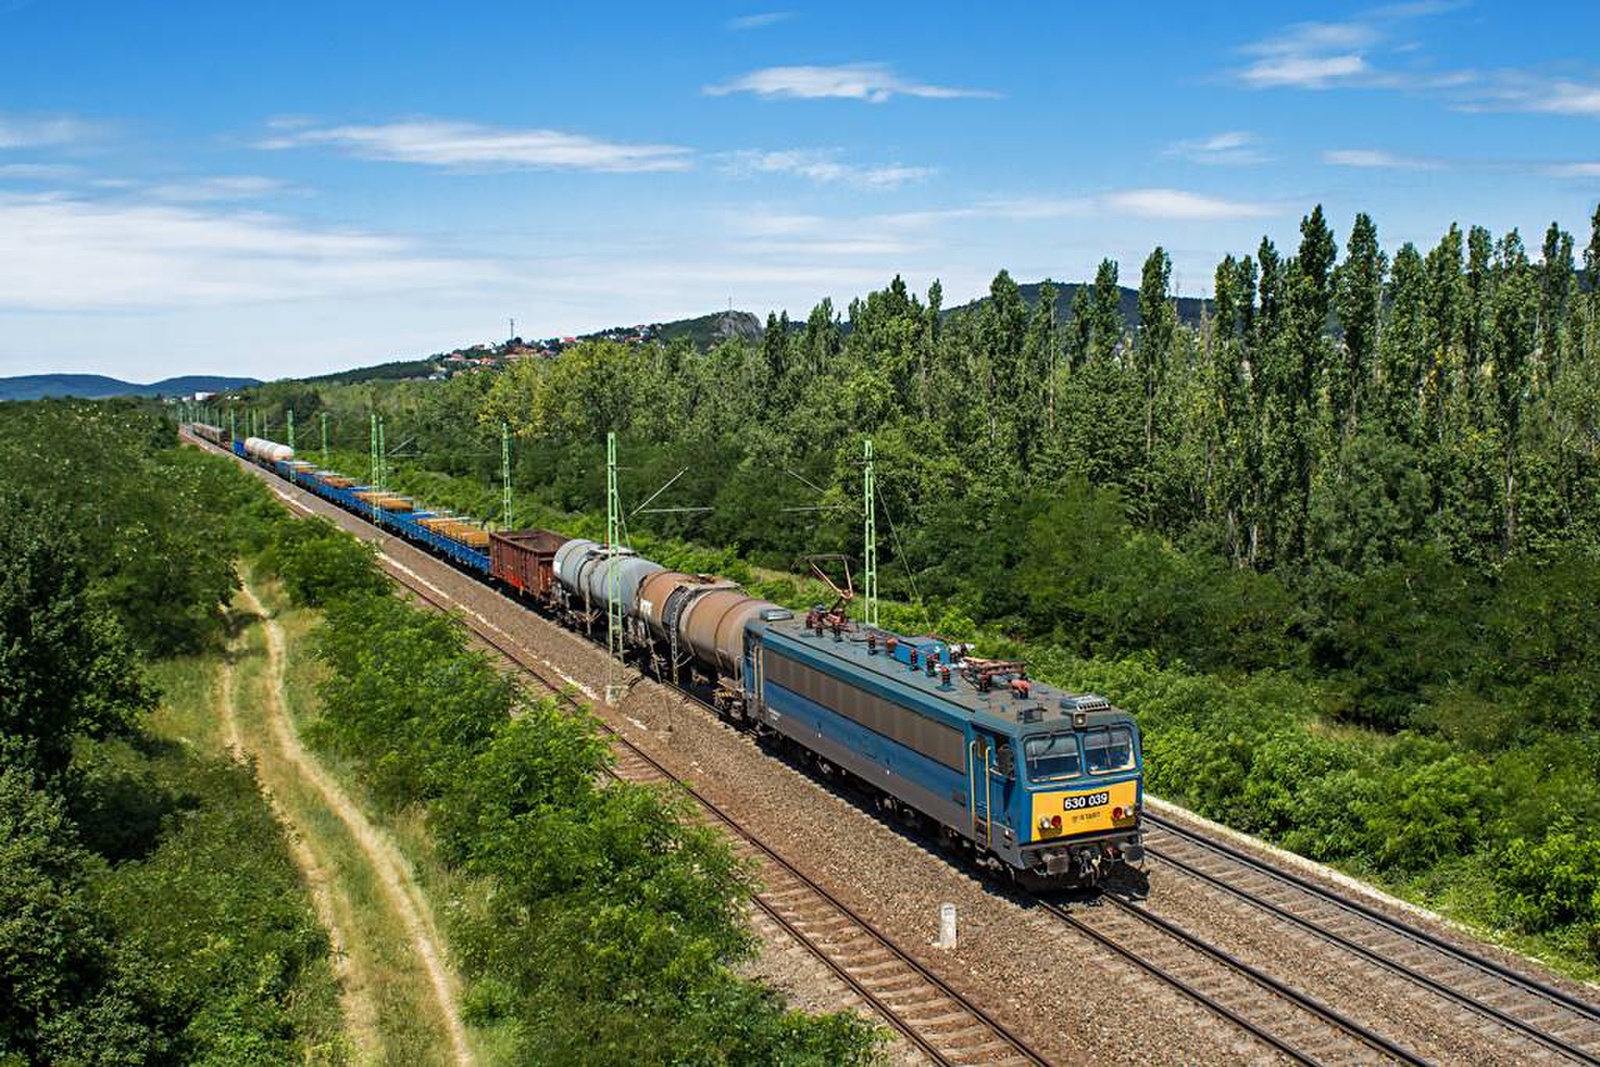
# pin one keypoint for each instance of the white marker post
(947, 926)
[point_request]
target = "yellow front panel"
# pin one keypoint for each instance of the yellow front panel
(1084, 810)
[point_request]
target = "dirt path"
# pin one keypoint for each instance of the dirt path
(394, 872)
(355, 1000)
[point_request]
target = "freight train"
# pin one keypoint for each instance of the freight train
(1039, 783)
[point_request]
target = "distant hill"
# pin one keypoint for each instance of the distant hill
(404, 368)
(1190, 308)
(708, 330)
(95, 386)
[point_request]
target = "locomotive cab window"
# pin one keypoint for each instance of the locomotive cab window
(1109, 748)
(1053, 756)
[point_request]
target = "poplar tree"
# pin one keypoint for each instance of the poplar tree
(1556, 276)
(1480, 293)
(1153, 352)
(1514, 328)
(1405, 340)
(1444, 300)
(1041, 351)
(1360, 292)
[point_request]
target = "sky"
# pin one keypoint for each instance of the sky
(292, 188)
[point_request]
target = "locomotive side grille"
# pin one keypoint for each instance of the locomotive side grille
(939, 742)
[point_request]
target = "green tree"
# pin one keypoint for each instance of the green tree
(1152, 354)
(66, 668)
(1359, 299)
(1514, 334)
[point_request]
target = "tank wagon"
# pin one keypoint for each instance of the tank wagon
(1032, 780)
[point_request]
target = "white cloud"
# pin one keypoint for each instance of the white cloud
(39, 172)
(1378, 159)
(1304, 37)
(221, 187)
(757, 21)
(60, 252)
(1354, 54)
(822, 166)
(1303, 72)
(44, 132)
(1573, 170)
(873, 82)
(466, 146)
(1517, 91)
(1178, 204)
(1230, 148)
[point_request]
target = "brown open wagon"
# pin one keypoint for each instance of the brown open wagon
(522, 559)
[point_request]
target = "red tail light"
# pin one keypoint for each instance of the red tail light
(1055, 822)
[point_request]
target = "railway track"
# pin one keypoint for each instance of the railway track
(1274, 1013)
(943, 1024)
(1528, 1008)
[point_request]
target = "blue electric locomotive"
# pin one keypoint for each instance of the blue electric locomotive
(1037, 781)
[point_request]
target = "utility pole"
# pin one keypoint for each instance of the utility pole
(613, 579)
(513, 332)
(324, 438)
(869, 537)
(505, 465)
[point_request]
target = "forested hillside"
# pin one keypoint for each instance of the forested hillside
(1338, 544)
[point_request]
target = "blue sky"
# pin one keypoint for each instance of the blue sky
(295, 188)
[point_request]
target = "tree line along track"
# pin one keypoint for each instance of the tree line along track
(1520, 1003)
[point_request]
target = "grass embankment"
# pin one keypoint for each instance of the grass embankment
(1433, 822)
(400, 991)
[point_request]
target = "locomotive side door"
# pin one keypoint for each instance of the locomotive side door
(979, 790)
(755, 698)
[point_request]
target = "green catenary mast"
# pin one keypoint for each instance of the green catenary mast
(505, 470)
(324, 438)
(869, 537)
(613, 579)
(291, 429)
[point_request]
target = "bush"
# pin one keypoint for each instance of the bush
(68, 992)
(1553, 881)
(218, 915)
(320, 564)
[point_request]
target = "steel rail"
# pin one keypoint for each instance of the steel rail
(1493, 967)
(1311, 1005)
(1373, 956)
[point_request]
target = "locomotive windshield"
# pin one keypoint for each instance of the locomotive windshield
(1109, 749)
(1053, 756)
